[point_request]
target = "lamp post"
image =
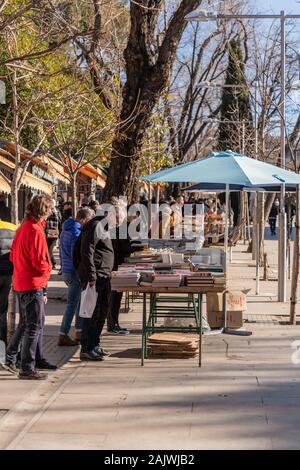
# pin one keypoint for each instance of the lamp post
(204, 15)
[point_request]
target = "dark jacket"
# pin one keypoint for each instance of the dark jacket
(53, 223)
(96, 252)
(273, 212)
(7, 234)
(122, 246)
(71, 230)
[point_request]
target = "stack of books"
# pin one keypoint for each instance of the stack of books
(166, 280)
(220, 279)
(124, 278)
(146, 278)
(200, 279)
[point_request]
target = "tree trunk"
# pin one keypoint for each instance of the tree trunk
(147, 75)
(74, 194)
(14, 202)
(295, 273)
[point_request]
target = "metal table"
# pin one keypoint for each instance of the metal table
(159, 307)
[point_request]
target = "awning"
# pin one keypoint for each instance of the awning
(30, 180)
(4, 186)
(34, 182)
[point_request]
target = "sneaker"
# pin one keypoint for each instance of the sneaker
(117, 330)
(9, 367)
(65, 340)
(101, 351)
(32, 375)
(90, 356)
(43, 364)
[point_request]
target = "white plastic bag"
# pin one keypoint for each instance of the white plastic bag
(88, 301)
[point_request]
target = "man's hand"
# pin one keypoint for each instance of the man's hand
(45, 299)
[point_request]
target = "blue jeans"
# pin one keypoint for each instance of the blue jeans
(13, 351)
(32, 319)
(73, 303)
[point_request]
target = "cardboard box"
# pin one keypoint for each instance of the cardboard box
(235, 300)
(234, 319)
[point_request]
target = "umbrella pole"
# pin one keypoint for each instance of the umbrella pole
(257, 247)
(226, 251)
(226, 330)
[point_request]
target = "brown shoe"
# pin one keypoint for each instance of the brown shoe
(33, 375)
(77, 336)
(65, 340)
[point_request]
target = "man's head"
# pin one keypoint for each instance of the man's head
(180, 200)
(94, 205)
(67, 205)
(84, 215)
(170, 200)
(39, 208)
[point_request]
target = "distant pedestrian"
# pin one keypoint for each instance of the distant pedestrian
(71, 230)
(7, 234)
(273, 217)
(53, 225)
(5, 213)
(67, 211)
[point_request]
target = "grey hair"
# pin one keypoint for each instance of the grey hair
(85, 213)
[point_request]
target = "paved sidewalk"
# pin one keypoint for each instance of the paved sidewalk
(245, 396)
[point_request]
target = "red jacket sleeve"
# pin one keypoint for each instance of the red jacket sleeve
(39, 252)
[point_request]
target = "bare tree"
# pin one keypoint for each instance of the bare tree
(147, 75)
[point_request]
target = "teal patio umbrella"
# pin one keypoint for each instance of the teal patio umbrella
(230, 170)
(227, 168)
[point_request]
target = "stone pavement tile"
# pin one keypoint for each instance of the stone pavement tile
(56, 419)
(55, 441)
(289, 440)
(5, 438)
(13, 390)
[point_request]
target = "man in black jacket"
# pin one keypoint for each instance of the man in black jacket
(95, 266)
(122, 249)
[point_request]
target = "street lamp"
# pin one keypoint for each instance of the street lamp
(204, 15)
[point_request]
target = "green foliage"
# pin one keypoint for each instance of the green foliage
(235, 104)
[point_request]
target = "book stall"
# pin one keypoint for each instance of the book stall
(172, 284)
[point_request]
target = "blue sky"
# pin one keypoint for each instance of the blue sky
(290, 6)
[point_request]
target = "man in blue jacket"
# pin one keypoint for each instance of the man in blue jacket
(71, 230)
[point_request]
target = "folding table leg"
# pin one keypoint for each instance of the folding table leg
(144, 327)
(200, 324)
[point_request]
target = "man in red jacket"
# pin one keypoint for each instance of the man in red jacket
(32, 269)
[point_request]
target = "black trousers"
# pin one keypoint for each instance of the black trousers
(5, 285)
(51, 245)
(92, 327)
(114, 309)
(272, 223)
